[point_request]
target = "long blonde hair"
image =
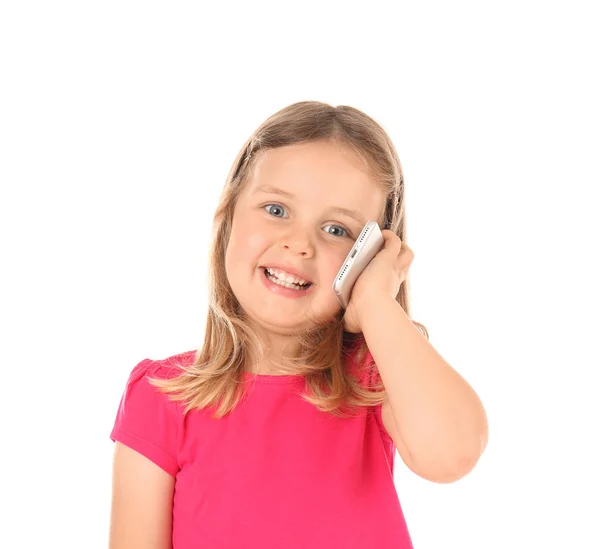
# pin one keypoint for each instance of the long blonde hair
(215, 378)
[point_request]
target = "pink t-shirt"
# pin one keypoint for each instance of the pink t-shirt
(274, 473)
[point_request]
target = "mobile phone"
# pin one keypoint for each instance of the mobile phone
(367, 245)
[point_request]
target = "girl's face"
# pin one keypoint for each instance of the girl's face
(289, 215)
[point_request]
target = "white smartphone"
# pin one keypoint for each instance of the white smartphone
(367, 245)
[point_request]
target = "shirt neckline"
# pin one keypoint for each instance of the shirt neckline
(271, 378)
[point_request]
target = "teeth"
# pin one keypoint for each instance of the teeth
(283, 276)
(289, 285)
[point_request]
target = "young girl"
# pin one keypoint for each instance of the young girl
(281, 431)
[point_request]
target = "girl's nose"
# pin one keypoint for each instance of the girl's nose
(300, 245)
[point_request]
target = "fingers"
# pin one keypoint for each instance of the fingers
(392, 242)
(399, 252)
(396, 247)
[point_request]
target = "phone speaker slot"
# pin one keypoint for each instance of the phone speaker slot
(362, 236)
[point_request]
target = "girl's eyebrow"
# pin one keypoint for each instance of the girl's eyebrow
(272, 190)
(344, 211)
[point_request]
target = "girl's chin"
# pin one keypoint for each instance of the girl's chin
(302, 322)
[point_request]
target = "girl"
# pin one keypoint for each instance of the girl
(281, 431)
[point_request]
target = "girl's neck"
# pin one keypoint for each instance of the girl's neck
(267, 367)
(276, 347)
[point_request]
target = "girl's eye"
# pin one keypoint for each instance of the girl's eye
(274, 207)
(344, 231)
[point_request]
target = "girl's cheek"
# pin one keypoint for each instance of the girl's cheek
(255, 240)
(249, 231)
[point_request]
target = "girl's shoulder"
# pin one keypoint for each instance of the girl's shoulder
(140, 391)
(147, 420)
(163, 368)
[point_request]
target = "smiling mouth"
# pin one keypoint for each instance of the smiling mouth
(286, 284)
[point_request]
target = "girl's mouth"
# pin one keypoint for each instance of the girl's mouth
(289, 285)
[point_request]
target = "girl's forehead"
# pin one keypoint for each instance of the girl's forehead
(313, 169)
(315, 156)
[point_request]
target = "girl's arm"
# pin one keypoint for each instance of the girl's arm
(434, 416)
(142, 502)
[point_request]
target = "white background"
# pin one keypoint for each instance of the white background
(118, 124)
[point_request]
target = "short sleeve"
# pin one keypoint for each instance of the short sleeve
(147, 421)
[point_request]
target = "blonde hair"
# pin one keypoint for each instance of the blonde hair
(215, 378)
